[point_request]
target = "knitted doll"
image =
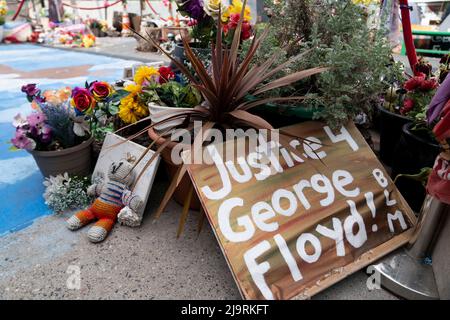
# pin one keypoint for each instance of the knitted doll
(112, 197)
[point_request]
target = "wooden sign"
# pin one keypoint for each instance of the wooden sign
(291, 226)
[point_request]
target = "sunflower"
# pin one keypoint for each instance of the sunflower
(145, 73)
(131, 107)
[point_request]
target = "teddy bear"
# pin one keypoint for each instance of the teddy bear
(112, 196)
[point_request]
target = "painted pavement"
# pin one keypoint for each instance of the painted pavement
(21, 185)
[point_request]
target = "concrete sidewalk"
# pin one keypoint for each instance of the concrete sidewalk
(122, 48)
(147, 262)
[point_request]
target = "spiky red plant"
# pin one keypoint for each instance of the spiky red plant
(225, 87)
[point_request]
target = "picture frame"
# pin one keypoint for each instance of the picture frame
(116, 148)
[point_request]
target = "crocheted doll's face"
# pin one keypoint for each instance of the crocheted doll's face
(120, 171)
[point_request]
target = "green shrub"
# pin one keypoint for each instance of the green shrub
(336, 35)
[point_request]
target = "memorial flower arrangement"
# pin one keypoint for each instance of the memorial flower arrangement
(73, 39)
(133, 106)
(160, 86)
(99, 103)
(53, 124)
(65, 117)
(65, 192)
(205, 13)
(413, 96)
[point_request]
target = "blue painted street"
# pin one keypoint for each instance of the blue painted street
(20, 180)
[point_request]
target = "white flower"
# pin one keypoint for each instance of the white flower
(19, 121)
(63, 192)
(212, 7)
(80, 126)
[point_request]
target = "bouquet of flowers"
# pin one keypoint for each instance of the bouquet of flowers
(64, 192)
(161, 86)
(414, 95)
(203, 15)
(98, 102)
(64, 118)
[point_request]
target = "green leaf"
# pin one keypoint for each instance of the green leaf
(119, 94)
(114, 108)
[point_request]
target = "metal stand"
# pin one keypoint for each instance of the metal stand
(404, 272)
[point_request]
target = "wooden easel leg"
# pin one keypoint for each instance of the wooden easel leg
(185, 212)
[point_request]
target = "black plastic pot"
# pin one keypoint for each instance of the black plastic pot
(390, 132)
(415, 150)
(178, 53)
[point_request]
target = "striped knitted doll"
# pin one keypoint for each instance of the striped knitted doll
(112, 197)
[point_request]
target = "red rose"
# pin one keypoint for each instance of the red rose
(100, 90)
(235, 17)
(246, 30)
(408, 105)
(234, 20)
(414, 82)
(225, 29)
(82, 99)
(427, 85)
(165, 74)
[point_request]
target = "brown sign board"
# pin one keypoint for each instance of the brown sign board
(293, 225)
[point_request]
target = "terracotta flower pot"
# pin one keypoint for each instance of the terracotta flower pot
(183, 188)
(75, 160)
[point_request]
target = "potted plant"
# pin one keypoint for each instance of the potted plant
(203, 27)
(63, 125)
(54, 134)
(167, 96)
(416, 149)
(224, 89)
(335, 34)
(402, 104)
(3, 13)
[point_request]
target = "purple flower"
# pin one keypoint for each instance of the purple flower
(30, 89)
(195, 9)
(21, 141)
(36, 119)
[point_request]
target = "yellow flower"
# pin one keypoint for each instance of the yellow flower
(131, 109)
(145, 73)
(236, 8)
(88, 41)
(3, 8)
(133, 88)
